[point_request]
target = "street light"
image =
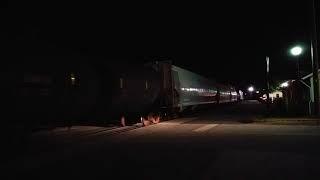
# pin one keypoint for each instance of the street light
(250, 89)
(297, 51)
(285, 84)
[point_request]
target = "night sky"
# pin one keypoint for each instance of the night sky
(224, 41)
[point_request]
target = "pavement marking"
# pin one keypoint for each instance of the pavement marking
(205, 128)
(182, 120)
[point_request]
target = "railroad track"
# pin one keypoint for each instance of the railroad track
(78, 133)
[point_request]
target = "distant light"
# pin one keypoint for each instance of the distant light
(73, 79)
(257, 91)
(264, 97)
(250, 89)
(285, 84)
(296, 51)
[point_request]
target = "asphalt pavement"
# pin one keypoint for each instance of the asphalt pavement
(215, 143)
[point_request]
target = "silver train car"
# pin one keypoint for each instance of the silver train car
(162, 88)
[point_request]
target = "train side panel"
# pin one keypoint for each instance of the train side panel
(192, 89)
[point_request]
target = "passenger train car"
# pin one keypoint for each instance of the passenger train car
(162, 88)
(194, 89)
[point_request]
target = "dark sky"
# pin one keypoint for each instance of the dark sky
(225, 41)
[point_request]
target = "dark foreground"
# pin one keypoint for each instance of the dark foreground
(215, 144)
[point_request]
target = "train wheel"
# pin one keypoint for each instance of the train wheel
(153, 118)
(146, 122)
(123, 121)
(150, 118)
(156, 119)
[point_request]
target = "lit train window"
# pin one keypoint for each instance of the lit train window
(73, 79)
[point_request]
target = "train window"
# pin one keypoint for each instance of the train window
(147, 85)
(73, 79)
(121, 83)
(176, 79)
(37, 79)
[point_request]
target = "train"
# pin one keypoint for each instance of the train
(162, 89)
(67, 90)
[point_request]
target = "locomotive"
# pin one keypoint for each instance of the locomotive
(66, 90)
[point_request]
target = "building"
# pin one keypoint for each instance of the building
(299, 95)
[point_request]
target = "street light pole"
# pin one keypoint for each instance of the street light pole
(315, 63)
(298, 69)
(268, 86)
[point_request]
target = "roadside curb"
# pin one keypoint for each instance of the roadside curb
(289, 121)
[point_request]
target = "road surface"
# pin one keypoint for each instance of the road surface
(214, 144)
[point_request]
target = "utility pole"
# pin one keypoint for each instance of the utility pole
(268, 86)
(298, 69)
(314, 58)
